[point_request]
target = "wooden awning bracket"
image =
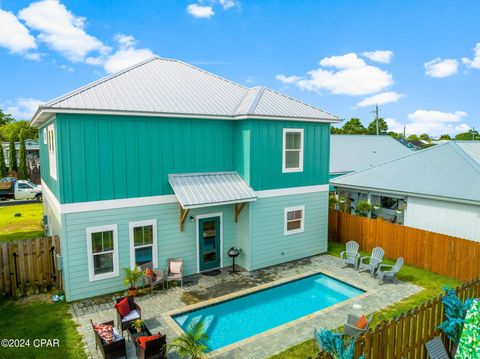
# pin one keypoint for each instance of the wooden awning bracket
(183, 216)
(238, 209)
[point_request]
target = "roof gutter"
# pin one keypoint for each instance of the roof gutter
(405, 194)
(43, 112)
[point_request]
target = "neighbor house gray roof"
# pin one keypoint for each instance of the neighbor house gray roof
(165, 87)
(195, 190)
(350, 153)
(449, 171)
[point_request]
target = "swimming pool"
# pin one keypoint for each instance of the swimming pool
(236, 319)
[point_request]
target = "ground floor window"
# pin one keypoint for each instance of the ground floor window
(294, 219)
(102, 248)
(143, 243)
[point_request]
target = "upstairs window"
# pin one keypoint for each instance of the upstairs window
(292, 150)
(294, 219)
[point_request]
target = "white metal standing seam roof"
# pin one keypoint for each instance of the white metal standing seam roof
(165, 87)
(447, 171)
(350, 153)
(195, 190)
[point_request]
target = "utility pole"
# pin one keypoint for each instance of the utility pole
(473, 134)
(375, 112)
(404, 130)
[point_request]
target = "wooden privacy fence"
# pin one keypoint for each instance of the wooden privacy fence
(29, 266)
(406, 335)
(450, 256)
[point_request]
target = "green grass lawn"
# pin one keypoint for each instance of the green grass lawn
(431, 283)
(33, 319)
(28, 226)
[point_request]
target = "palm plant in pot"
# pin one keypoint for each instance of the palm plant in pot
(132, 276)
(455, 312)
(138, 324)
(191, 344)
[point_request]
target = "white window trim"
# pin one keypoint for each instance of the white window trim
(197, 220)
(91, 273)
(302, 226)
(284, 149)
(52, 157)
(132, 225)
(45, 136)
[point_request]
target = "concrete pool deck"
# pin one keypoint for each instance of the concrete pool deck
(200, 290)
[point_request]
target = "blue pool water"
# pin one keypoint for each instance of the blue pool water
(233, 320)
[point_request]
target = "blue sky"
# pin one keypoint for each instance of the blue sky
(419, 60)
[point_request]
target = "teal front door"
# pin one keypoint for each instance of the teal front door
(209, 243)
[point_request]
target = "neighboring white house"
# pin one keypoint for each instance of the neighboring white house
(31, 146)
(436, 189)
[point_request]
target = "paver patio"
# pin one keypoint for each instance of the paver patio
(200, 288)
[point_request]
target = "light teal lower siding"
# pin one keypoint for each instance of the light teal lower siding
(269, 244)
(259, 234)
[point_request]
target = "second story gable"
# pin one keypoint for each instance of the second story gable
(104, 153)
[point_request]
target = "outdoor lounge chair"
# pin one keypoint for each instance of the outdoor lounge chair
(350, 255)
(436, 349)
(123, 322)
(154, 349)
(111, 350)
(372, 262)
(350, 328)
(148, 280)
(388, 271)
(171, 270)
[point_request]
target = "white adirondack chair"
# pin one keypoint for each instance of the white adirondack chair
(350, 255)
(372, 262)
(388, 271)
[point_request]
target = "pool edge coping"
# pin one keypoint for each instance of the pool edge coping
(167, 316)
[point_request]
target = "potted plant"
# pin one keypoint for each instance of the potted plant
(363, 208)
(192, 343)
(455, 312)
(138, 324)
(132, 276)
(338, 346)
(332, 201)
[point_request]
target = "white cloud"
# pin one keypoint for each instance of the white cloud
(441, 68)
(475, 63)
(351, 76)
(288, 79)
(435, 123)
(127, 55)
(22, 108)
(14, 35)
(380, 99)
(61, 30)
(227, 4)
(200, 11)
(382, 56)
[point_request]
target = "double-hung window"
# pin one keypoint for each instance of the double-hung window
(292, 150)
(143, 243)
(294, 220)
(102, 245)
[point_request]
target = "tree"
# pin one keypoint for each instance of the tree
(413, 138)
(335, 130)
(468, 136)
(5, 118)
(12, 160)
(16, 126)
(192, 342)
(445, 137)
(353, 127)
(3, 166)
(395, 135)
(382, 127)
(22, 169)
(425, 137)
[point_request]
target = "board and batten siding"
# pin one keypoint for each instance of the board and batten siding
(454, 219)
(266, 148)
(269, 244)
(170, 242)
(112, 157)
(52, 184)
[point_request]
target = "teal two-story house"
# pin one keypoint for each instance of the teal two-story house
(167, 160)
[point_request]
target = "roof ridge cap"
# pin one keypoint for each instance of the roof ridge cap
(256, 99)
(462, 153)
